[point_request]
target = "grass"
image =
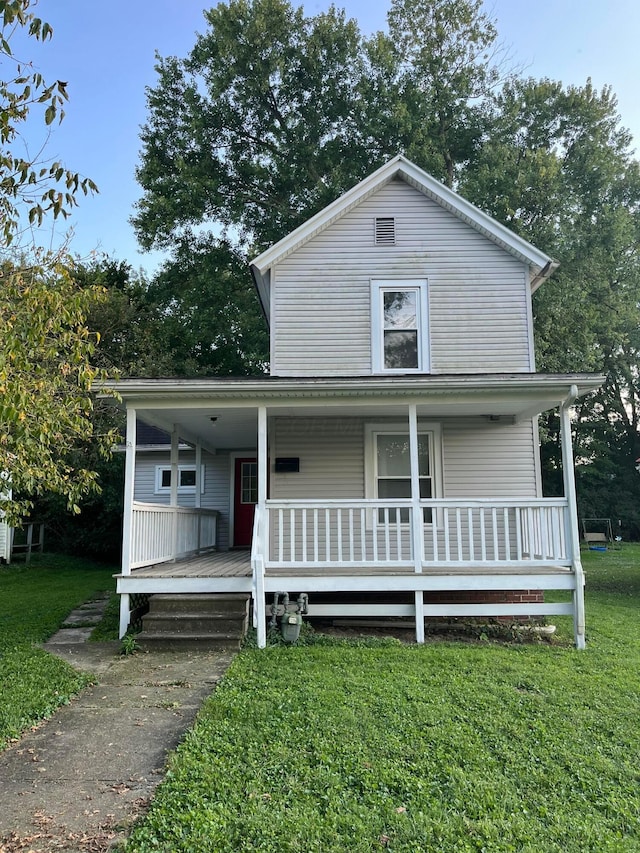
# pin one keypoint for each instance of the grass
(452, 746)
(35, 599)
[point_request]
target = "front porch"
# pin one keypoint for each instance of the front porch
(405, 455)
(518, 548)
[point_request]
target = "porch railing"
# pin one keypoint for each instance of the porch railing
(161, 533)
(457, 533)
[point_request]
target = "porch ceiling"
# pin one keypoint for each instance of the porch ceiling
(222, 413)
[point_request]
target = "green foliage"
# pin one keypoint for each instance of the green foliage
(209, 319)
(46, 372)
(448, 747)
(255, 127)
(46, 383)
(446, 59)
(557, 169)
(35, 601)
(27, 187)
(108, 628)
(274, 114)
(129, 645)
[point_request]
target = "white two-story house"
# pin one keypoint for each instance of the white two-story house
(389, 462)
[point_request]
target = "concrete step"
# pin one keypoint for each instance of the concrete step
(227, 603)
(194, 623)
(167, 641)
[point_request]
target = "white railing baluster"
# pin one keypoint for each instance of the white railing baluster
(531, 533)
(363, 534)
(292, 535)
(386, 533)
(398, 538)
(472, 554)
(339, 528)
(327, 534)
(507, 534)
(351, 535)
(447, 545)
(483, 537)
(315, 535)
(304, 535)
(459, 533)
(544, 520)
(280, 535)
(494, 531)
(434, 536)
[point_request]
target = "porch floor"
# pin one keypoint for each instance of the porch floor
(217, 564)
(237, 564)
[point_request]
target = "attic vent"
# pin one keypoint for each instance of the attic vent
(385, 231)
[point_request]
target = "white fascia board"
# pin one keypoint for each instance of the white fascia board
(143, 392)
(399, 166)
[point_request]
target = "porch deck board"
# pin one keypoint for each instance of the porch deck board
(237, 564)
(218, 564)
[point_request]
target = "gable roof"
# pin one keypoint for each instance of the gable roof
(542, 266)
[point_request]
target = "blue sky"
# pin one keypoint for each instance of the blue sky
(105, 50)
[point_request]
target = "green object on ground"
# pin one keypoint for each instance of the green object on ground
(34, 601)
(451, 746)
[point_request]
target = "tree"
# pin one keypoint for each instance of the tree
(273, 114)
(26, 187)
(46, 374)
(46, 383)
(447, 66)
(255, 127)
(557, 169)
(208, 319)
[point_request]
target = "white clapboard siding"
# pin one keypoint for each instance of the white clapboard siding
(480, 458)
(331, 458)
(216, 494)
(478, 294)
(486, 459)
(5, 541)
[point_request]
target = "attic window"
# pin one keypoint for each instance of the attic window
(385, 231)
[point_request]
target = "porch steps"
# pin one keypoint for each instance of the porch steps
(191, 621)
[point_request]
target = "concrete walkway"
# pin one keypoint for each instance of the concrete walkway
(78, 780)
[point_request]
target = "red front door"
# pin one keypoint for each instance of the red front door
(245, 498)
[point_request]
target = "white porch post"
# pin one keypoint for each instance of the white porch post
(573, 537)
(417, 525)
(127, 525)
(261, 612)
(175, 438)
(198, 500)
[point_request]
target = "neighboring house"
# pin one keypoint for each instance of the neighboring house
(6, 532)
(393, 449)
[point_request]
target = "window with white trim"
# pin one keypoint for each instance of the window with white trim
(388, 471)
(399, 333)
(186, 479)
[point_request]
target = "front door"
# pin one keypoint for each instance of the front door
(245, 498)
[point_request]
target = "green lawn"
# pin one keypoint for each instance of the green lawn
(34, 602)
(452, 746)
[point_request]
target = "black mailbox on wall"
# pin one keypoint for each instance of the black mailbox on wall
(287, 464)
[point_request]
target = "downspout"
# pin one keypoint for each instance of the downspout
(569, 481)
